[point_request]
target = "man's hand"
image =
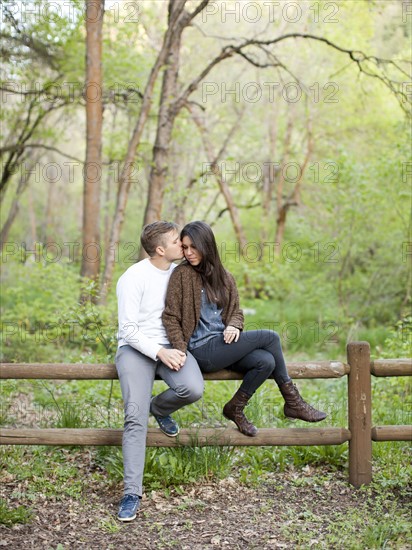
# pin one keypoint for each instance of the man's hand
(172, 358)
(231, 334)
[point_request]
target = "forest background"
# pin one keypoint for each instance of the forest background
(285, 125)
(296, 156)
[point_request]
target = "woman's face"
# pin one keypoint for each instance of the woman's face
(191, 253)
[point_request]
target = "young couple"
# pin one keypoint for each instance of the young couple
(175, 319)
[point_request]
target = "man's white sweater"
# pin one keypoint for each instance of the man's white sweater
(141, 294)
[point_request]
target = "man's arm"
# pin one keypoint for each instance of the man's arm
(129, 294)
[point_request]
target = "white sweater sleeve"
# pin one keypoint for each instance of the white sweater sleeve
(129, 295)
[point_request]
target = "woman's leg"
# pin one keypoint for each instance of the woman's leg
(216, 355)
(256, 367)
(246, 356)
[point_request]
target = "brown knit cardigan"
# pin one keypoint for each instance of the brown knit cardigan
(183, 302)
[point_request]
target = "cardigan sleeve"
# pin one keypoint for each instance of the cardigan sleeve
(172, 316)
(235, 316)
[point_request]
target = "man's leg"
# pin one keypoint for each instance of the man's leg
(136, 374)
(185, 386)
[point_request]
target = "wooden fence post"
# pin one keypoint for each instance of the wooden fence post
(360, 414)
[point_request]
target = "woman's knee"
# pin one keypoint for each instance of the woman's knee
(274, 338)
(274, 335)
(266, 362)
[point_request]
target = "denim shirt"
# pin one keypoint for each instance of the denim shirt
(210, 323)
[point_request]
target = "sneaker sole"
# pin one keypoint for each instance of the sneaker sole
(125, 520)
(169, 435)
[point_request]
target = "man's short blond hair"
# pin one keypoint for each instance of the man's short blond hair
(153, 235)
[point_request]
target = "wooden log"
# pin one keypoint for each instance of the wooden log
(360, 414)
(392, 433)
(80, 371)
(188, 437)
(392, 367)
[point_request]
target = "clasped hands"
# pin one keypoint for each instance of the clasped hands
(175, 359)
(172, 358)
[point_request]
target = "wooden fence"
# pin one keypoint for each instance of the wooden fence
(359, 432)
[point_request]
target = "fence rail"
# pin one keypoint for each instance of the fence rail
(101, 371)
(359, 433)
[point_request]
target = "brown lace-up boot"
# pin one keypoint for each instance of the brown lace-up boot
(233, 410)
(296, 407)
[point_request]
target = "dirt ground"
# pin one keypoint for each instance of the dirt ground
(221, 514)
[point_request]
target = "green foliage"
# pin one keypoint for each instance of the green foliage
(42, 471)
(10, 516)
(399, 342)
(43, 320)
(172, 466)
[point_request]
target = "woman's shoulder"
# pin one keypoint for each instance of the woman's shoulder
(184, 270)
(231, 280)
(229, 275)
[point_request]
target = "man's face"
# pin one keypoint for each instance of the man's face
(172, 246)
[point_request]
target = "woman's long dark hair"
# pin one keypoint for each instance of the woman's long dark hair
(213, 273)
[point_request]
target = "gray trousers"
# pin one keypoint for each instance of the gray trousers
(136, 374)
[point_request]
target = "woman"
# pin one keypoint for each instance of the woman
(202, 315)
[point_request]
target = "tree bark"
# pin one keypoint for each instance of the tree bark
(15, 205)
(125, 176)
(223, 186)
(90, 266)
(166, 118)
(293, 199)
(269, 174)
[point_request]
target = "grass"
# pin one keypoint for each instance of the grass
(9, 516)
(53, 473)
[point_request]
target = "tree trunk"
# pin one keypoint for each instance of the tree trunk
(280, 207)
(165, 123)
(294, 197)
(32, 219)
(5, 230)
(125, 176)
(269, 175)
(15, 205)
(223, 186)
(90, 267)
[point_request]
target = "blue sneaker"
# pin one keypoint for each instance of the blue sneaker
(129, 506)
(167, 425)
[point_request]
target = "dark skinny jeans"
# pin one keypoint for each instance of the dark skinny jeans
(257, 355)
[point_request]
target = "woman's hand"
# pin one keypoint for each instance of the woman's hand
(231, 334)
(172, 358)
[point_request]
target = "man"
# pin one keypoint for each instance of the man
(144, 351)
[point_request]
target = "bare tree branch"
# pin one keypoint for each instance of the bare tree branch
(17, 147)
(360, 58)
(199, 8)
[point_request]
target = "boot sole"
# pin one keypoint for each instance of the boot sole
(297, 418)
(237, 425)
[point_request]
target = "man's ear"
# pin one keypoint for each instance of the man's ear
(160, 251)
